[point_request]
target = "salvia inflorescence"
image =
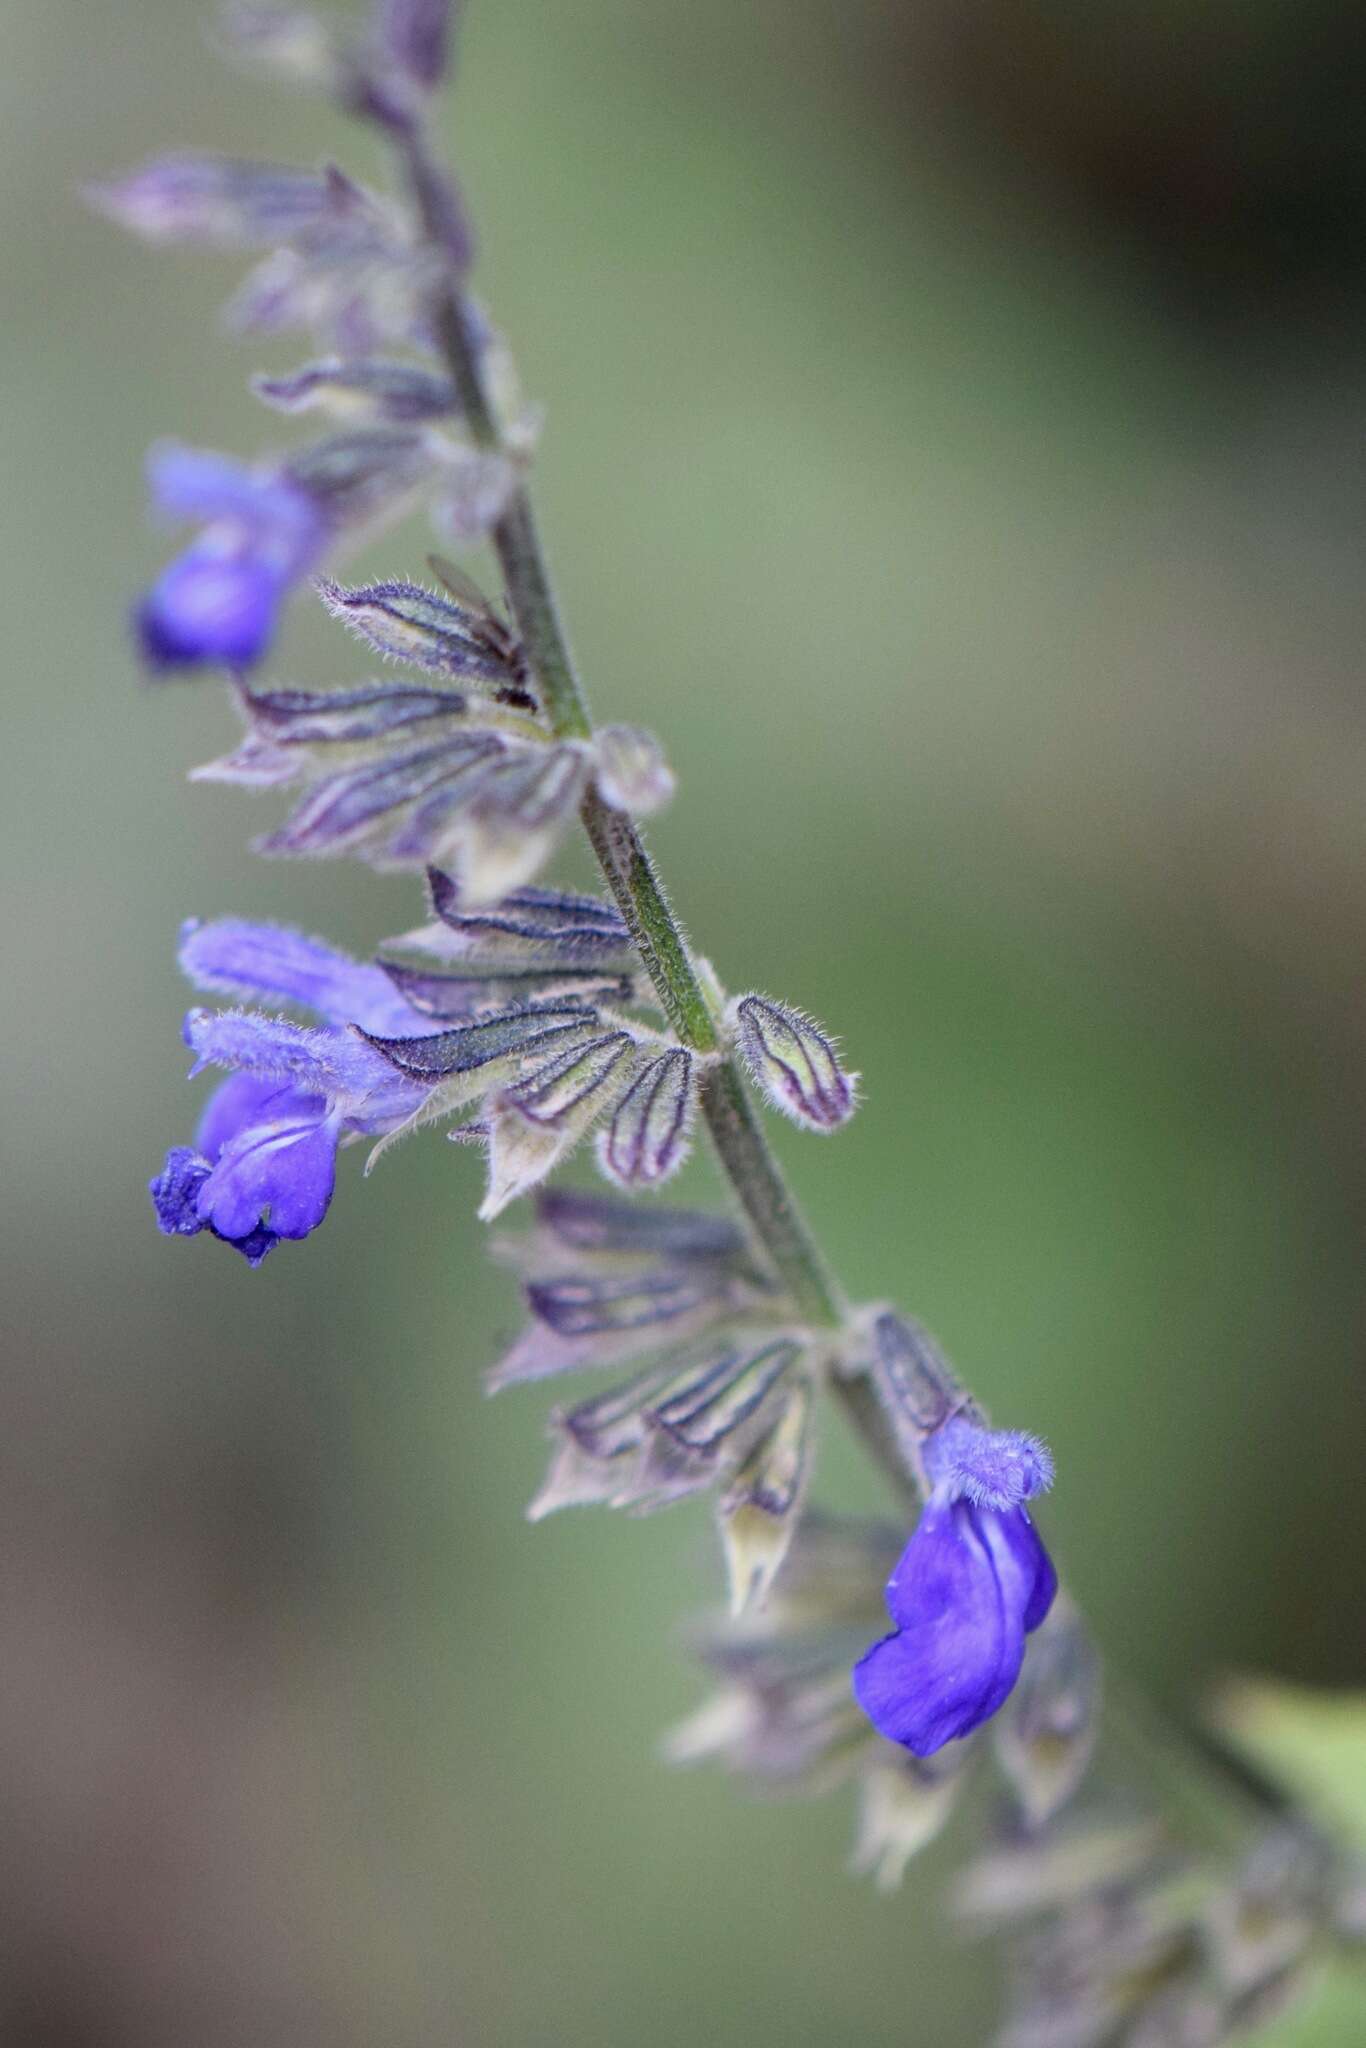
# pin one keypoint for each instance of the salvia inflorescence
(532, 1022)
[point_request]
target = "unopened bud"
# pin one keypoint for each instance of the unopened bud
(367, 388)
(632, 774)
(411, 624)
(647, 1139)
(794, 1062)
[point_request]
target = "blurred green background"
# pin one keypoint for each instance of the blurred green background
(955, 449)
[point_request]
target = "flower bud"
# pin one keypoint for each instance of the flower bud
(366, 715)
(793, 1061)
(914, 1383)
(632, 773)
(611, 1228)
(561, 1088)
(601, 1442)
(407, 623)
(490, 1049)
(612, 1280)
(647, 1139)
(715, 1406)
(555, 1102)
(198, 197)
(584, 1307)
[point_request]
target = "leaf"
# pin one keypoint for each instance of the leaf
(1314, 1742)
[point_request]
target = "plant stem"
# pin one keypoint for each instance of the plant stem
(736, 1133)
(735, 1130)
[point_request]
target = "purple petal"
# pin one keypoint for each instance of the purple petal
(175, 1192)
(337, 1065)
(175, 1196)
(195, 484)
(416, 35)
(207, 606)
(234, 957)
(279, 1173)
(254, 1245)
(241, 1100)
(1016, 1532)
(958, 1596)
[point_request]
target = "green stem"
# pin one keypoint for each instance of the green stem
(740, 1143)
(736, 1133)
(640, 897)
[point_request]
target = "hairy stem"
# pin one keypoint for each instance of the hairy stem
(735, 1130)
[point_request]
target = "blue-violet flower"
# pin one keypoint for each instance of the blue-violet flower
(971, 1584)
(219, 599)
(263, 1163)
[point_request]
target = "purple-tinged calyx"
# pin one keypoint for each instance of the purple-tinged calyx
(404, 622)
(415, 37)
(972, 1583)
(611, 1280)
(531, 927)
(420, 775)
(794, 1062)
(677, 1428)
(647, 1139)
(194, 196)
(992, 1468)
(632, 773)
(367, 388)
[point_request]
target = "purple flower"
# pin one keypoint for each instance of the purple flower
(415, 35)
(971, 1584)
(219, 600)
(263, 1164)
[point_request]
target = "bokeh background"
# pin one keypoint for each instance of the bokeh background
(956, 430)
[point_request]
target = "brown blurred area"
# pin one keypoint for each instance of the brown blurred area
(957, 419)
